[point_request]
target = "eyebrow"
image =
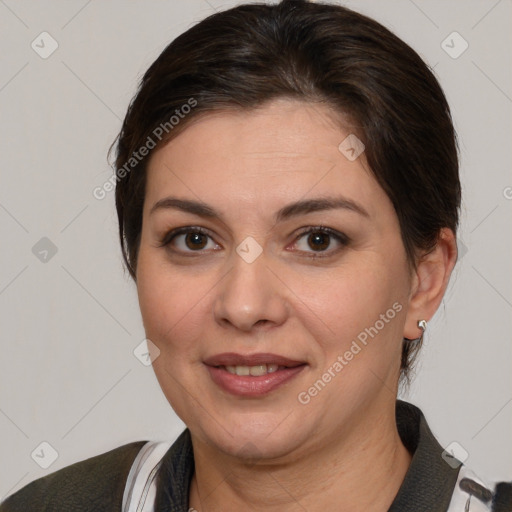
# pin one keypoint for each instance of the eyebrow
(291, 210)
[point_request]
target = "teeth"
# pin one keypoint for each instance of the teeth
(255, 371)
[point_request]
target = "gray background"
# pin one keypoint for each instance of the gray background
(70, 324)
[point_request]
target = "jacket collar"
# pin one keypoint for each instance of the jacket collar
(427, 487)
(429, 482)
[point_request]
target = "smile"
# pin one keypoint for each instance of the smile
(253, 375)
(255, 371)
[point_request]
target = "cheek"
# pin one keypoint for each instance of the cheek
(168, 301)
(359, 312)
(351, 297)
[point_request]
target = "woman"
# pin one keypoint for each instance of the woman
(287, 191)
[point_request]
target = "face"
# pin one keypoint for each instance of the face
(308, 300)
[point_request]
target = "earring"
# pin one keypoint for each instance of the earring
(422, 324)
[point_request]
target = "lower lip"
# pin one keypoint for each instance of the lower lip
(242, 385)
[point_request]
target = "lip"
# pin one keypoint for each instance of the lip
(233, 359)
(248, 385)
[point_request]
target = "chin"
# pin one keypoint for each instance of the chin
(254, 436)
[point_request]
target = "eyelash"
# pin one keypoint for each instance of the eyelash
(340, 237)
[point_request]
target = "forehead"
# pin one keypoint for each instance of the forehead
(283, 127)
(284, 150)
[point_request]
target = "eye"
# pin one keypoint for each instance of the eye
(188, 239)
(319, 238)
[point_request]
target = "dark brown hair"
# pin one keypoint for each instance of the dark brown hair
(245, 56)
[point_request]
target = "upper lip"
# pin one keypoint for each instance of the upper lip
(233, 359)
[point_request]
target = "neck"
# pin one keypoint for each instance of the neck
(361, 468)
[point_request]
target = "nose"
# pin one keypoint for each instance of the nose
(251, 295)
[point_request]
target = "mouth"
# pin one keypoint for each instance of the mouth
(255, 371)
(252, 375)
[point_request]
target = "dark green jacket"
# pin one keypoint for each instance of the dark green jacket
(97, 484)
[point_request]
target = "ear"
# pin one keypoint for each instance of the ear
(430, 281)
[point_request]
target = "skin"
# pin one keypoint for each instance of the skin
(342, 448)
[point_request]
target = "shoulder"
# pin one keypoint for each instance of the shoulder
(94, 484)
(437, 479)
(474, 494)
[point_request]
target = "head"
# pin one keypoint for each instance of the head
(257, 115)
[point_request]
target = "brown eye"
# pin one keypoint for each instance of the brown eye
(195, 240)
(187, 240)
(319, 241)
